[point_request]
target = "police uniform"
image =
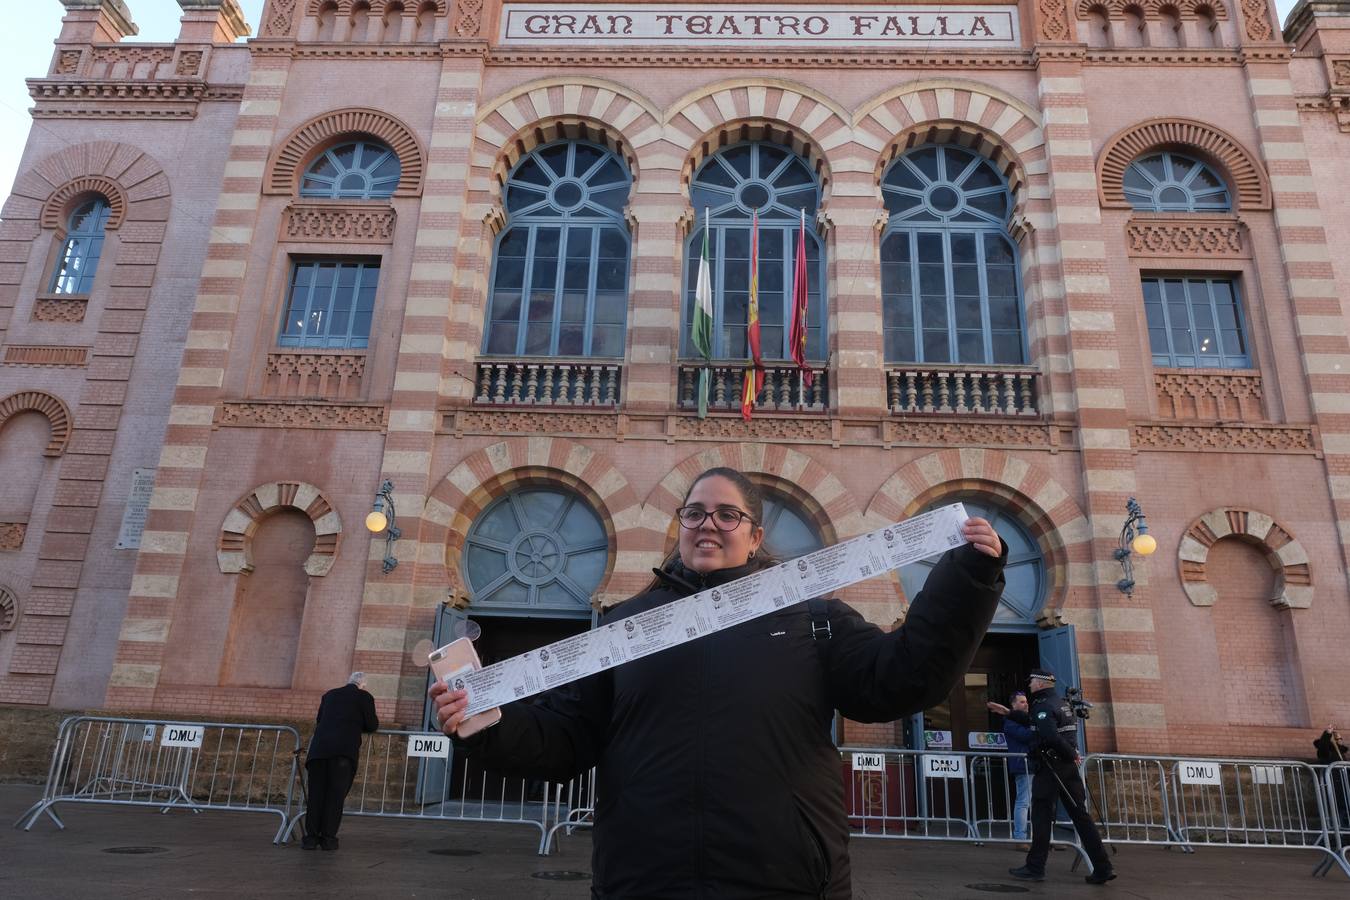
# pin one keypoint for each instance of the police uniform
(1056, 777)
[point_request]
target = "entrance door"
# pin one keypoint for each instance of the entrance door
(1001, 666)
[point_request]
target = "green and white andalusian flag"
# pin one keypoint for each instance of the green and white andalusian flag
(703, 321)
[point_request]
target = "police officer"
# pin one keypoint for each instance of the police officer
(1054, 759)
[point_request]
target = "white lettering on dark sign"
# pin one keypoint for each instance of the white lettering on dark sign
(429, 746)
(745, 26)
(182, 736)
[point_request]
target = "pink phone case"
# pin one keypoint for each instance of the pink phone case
(455, 657)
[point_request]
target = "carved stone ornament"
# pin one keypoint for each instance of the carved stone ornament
(1183, 235)
(1224, 438)
(68, 62)
(1209, 394)
(468, 18)
(1294, 587)
(44, 355)
(1054, 20)
(234, 548)
(314, 374)
(278, 19)
(1256, 15)
(1340, 71)
(60, 309)
(339, 416)
(189, 62)
(12, 534)
(343, 222)
(1152, 9)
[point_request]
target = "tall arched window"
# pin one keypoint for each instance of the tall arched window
(82, 248)
(1026, 584)
(357, 170)
(731, 185)
(1171, 182)
(950, 289)
(560, 273)
(536, 548)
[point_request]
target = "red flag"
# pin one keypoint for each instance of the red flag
(754, 370)
(797, 336)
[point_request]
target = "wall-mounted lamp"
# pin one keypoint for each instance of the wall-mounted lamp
(377, 520)
(1134, 538)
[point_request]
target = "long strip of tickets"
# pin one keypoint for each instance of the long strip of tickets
(690, 618)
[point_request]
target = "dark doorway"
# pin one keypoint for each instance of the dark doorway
(1001, 666)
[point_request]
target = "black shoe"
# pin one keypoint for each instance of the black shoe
(310, 842)
(328, 843)
(1101, 877)
(1026, 874)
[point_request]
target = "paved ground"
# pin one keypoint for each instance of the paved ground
(230, 854)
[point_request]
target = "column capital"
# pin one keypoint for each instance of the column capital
(101, 21)
(213, 21)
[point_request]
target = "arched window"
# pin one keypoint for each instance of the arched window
(949, 283)
(536, 548)
(83, 246)
(1170, 182)
(560, 273)
(731, 185)
(1025, 588)
(358, 170)
(788, 531)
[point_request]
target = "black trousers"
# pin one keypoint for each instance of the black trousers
(329, 782)
(1046, 788)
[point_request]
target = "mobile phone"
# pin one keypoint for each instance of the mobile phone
(452, 660)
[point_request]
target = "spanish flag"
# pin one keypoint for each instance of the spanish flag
(754, 369)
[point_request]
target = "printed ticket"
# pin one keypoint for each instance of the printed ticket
(814, 575)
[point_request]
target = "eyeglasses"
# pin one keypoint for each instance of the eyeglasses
(725, 518)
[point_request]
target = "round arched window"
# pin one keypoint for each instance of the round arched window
(788, 530)
(359, 170)
(536, 547)
(1025, 588)
(1170, 182)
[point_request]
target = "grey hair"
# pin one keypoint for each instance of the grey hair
(357, 678)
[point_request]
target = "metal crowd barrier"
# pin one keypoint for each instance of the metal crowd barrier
(1336, 790)
(168, 765)
(1131, 800)
(416, 775)
(934, 795)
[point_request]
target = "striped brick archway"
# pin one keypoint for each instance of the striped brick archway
(234, 548)
(1038, 501)
(140, 196)
(468, 489)
(1284, 553)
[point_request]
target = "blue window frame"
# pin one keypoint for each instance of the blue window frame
(560, 267)
(731, 185)
(329, 303)
(1171, 182)
(357, 170)
(536, 547)
(78, 262)
(1196, 322)
(950, 288)
(788, 531)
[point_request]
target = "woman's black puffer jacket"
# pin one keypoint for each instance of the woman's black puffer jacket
(716, 774)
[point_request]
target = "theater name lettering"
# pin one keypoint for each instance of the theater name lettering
(882, 27)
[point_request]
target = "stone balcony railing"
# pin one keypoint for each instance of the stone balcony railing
(314, 374)
(1229, 395)
(959, 391)
(552, 382)
(785, 390)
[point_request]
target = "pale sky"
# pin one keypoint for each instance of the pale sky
(26, 52)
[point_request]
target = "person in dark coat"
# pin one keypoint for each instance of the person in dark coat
(1017, 732)
(716, 773)
(1331, 749)
(344, 714)
(1055, 779)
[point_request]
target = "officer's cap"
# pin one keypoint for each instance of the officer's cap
(1043, 675)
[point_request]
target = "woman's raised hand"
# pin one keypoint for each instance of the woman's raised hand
(450, 706)
(980, 533)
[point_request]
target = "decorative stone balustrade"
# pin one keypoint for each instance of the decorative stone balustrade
(1230, 395)
(314, 374)
(784, 388)
(988, 390)
(522, 382)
